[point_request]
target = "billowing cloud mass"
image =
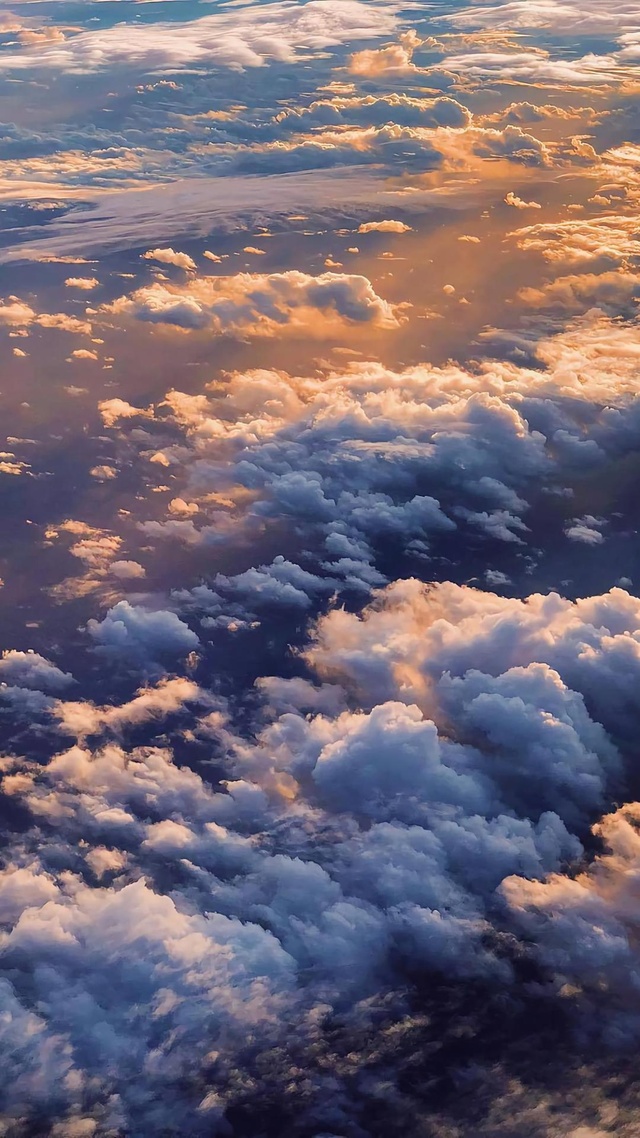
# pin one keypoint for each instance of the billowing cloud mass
(258, 304)
(454, 816)
(319, 804)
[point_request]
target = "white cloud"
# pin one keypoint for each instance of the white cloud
(237, 39)
(259, 304)
(384, 227)
(170, 257)
(591, 17)
(140, 637)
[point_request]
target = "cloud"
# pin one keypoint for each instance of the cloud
(611, 239)
(127, 570)
(395, 59)
(85, 354)
(259, 304)
(139, 637)
(231, 39)
(346, 458)
(613, 292)
(592, 644)
(518, 203)
(384, 227)
(30, 670)
(376, 110)
(18, 314)
(119, 218)
(252, 935)
(170, 257)
(113, 410)
(301, 825)
(586, 530)
(282, 582)
(85, 284)
(534, 68)
(471, 759)
(150, 703)
(584, 929)
(593, 18)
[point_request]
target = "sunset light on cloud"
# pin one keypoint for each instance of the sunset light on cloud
(319, 569)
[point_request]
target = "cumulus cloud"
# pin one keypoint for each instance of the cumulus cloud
(140, 637)
(587, 530)
(473, 764)
(347, 458)
(113, 410)
(299, 824)
(383, 227)
(150, 703)
(614, 292)
(591, 644)
(585, 929)
(377, 110)
(170, 257)
(519, 203)
(85, 284)
(611, 239)
(127, 570)
(18, 314)
(30, 670)
(260, 304)
(394, 59)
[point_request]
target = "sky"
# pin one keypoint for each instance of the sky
(320, 574)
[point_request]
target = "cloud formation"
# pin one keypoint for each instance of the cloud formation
(319, 697)
(226, 39)
(468, 778)
(259, 304)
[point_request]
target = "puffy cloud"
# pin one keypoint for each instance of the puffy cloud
(586, 530)
(610, 239)
(519, 203)
(170, 257)
(83, 354)
(443, 147)
(14, 312)
(592, 644)
(127, 570)
(282, 582)
(373, 110)
(585, 929)
(614, 292)
(112, 410)
(30, 670)
(17, 314)
(473, 764)
(260, 304)
(384, 227)
(85, 284)
(141, 637)
(103, 472)
(301, 894)
(393, 60)
(196, 962)
(346, 458)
